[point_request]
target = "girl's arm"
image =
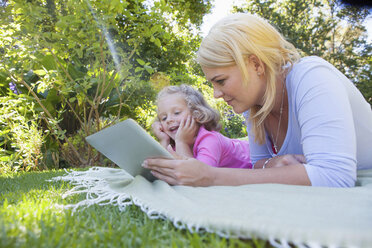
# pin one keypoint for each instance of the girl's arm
(185, 137)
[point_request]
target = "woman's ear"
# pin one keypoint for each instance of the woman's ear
(257, 64)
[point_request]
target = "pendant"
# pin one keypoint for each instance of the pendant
(274, 148)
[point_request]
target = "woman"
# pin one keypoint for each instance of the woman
(307, 123)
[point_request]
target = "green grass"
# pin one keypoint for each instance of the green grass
(32, 215)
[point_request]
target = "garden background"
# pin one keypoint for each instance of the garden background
(69, 68)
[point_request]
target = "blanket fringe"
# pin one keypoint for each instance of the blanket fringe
(98, 192)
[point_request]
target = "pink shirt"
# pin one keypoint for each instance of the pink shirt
(216, 150)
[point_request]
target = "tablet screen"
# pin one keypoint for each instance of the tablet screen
(127, 144)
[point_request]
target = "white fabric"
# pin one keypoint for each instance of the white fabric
(312, 216)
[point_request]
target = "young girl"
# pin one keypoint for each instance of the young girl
(190, 126)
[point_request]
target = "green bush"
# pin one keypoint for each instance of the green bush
(233, 125)
(21, 139)
(86, 66)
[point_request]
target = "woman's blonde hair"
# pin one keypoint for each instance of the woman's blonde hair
(203, 113)
(236, 37)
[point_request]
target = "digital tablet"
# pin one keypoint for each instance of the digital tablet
(127, 144)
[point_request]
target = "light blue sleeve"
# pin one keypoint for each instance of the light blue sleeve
(326, 124)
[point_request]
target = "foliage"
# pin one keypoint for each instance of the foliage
(234, 125)
(165, 37)
(33, 214)
(325, 28)
(87, 64)
(20, 138)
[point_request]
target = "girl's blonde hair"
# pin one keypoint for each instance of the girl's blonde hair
(236, 37)
(203, 113)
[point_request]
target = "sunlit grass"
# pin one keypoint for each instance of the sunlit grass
(32, 215)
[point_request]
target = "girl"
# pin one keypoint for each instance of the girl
(190, 126)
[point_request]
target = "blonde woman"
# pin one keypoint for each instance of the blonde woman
(188, 125)
(307, 123)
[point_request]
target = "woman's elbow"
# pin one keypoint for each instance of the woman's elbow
(329, 177)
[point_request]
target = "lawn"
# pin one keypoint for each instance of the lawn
(32, 214)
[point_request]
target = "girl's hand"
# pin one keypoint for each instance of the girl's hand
(180, 171)
(158, 131)
(187, 131)
(282, 160)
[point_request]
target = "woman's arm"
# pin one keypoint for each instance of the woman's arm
(280, 161)
(195, 173)
(294, 174)
(324, 115)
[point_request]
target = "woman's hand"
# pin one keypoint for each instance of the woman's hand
(187, 131)
(282, 160)
(180, 171)
(195, 173)
(157, 129)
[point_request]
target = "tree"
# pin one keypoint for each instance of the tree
(326, 28)
(87, 64)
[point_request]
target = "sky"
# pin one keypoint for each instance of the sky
(223, 8)
(220, 9)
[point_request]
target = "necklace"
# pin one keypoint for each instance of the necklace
(280, 120)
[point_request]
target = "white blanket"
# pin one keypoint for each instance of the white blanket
(312, 216)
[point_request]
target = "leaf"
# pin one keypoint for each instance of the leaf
(49, 63)
(155, 28)
(138, 69)
(74, 72)
(157, 42)
(141, 62)
(53, 97)
(149, 69)
(40, 72)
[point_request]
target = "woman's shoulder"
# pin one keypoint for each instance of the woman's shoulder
(308, 67)
(309, 62)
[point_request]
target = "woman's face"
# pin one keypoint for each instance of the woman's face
(228, 84)
(172, 109)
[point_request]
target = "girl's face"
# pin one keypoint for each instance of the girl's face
(172, 109)
(228, 84)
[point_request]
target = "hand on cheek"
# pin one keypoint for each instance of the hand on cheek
(187, 130)
(158, 130)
